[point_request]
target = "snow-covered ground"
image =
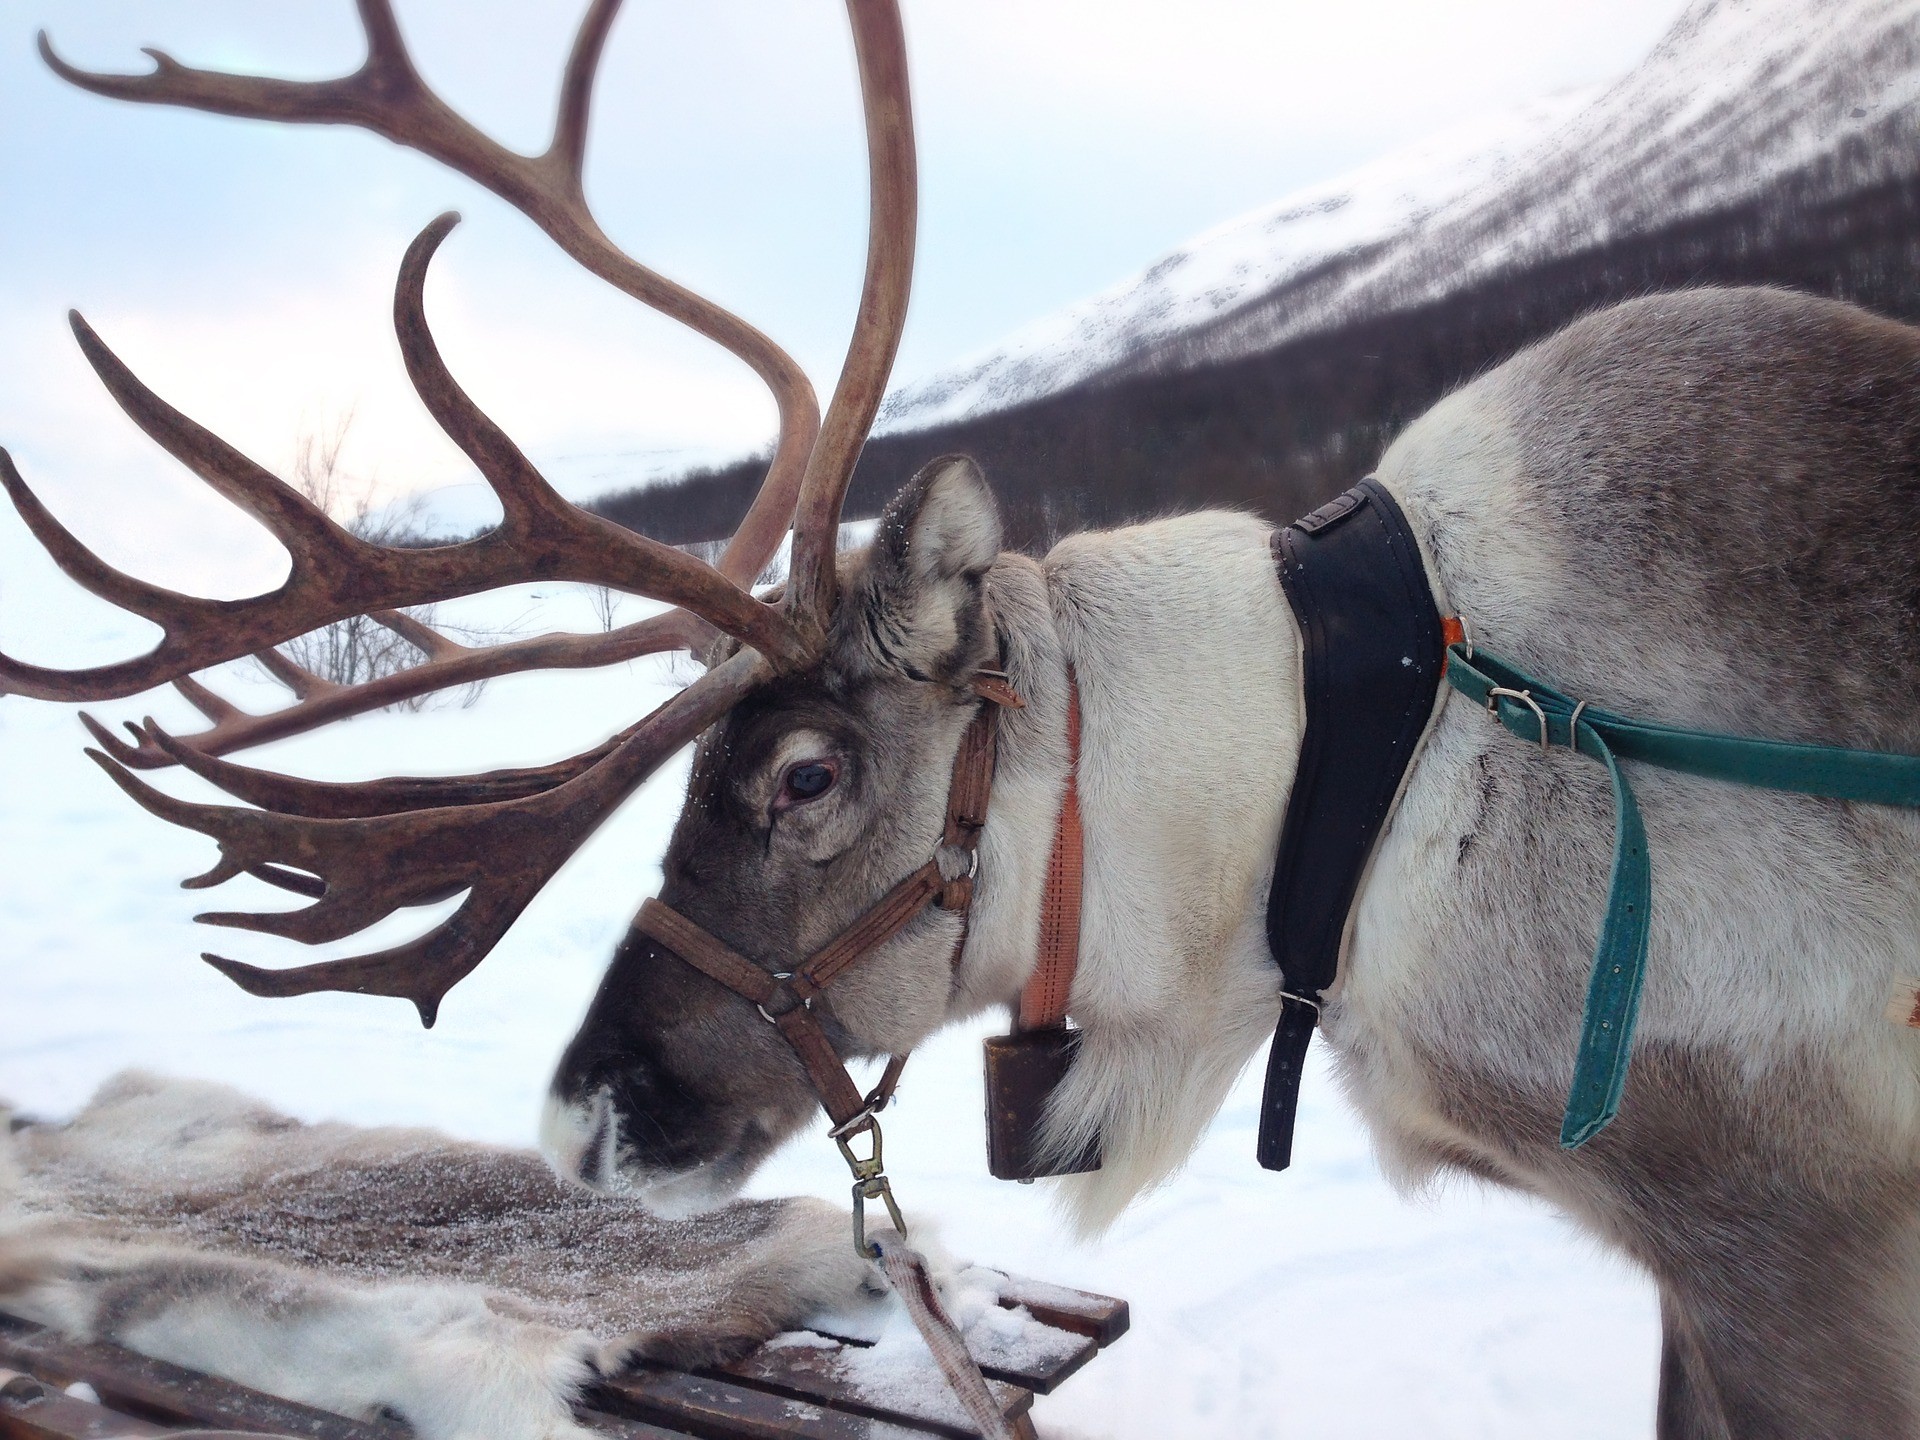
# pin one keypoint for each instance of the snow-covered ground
(1311, 1304)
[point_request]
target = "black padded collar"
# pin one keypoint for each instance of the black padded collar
(1371, 668)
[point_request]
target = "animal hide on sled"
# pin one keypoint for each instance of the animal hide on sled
(460, 1286)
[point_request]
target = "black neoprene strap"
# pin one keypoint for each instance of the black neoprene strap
(1372, 663)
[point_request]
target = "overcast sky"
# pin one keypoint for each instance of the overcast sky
(245, 269)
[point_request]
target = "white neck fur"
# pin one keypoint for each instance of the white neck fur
(1187, 659)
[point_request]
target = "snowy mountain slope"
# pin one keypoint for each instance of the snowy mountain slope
(1741, 99)
(1235, 264)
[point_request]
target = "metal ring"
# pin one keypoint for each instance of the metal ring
(848, 1128)
(973, 861)
(1573, 726)
(805, 1004)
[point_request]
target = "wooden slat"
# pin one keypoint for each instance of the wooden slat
(1101, 1318)
(36, 1411)
(790, 1393)
(814, 1373)
(171, 1393)
(718, 1410)
(1039, 1374)
(621, 1427)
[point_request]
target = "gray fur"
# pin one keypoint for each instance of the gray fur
(457, 1284)
(1702, 508)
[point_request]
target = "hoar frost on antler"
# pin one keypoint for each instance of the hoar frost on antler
(362, 851)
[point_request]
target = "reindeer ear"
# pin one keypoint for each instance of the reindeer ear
(918, 607)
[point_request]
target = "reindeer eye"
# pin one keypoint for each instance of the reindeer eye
(808, 780)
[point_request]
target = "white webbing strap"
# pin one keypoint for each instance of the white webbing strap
(907, 1272)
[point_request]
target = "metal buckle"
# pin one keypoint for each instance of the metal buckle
(1525, 697)
(806, 1004)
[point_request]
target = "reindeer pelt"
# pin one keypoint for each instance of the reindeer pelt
(458, 1285)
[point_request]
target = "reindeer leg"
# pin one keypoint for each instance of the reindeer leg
(1782, 1222)
(1688, 1408)
(1803, 1333)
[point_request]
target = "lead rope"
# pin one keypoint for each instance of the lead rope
(906, 1270)
(793, 992)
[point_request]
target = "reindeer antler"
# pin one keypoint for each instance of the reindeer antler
(370, 860)
(361, 851)
(337, 574)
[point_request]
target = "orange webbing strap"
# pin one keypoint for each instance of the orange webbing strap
(1043, 1004)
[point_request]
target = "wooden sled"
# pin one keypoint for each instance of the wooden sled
(785, 1392)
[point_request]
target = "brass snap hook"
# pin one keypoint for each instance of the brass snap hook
(867, 1166)
(876, 1188)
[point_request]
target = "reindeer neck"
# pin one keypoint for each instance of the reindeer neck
(1185, 654)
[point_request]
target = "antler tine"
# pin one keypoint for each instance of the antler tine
(334, 800)
(880, 47)
(82, 566)
(215, 707)
(569, 145)
(238, 729)
(524, 494)
(301, 681)
(308, 532)
(373, 865)
(386, 96)
(424, 638)
(335, 574)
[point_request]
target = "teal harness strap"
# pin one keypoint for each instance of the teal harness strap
(1542, 715)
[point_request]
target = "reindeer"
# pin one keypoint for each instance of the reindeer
(1702, 508)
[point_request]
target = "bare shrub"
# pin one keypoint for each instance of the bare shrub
(358, 648)
(605, 601)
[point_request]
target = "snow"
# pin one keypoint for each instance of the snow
(465, 508)
(1741, 98)
(1314, 1303)
(1231, 264)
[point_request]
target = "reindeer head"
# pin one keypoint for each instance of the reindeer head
(809, 801)
(830, 714)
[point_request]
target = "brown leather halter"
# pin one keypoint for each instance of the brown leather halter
(785, 998)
